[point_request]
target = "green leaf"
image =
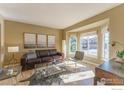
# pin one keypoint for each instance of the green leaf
(120, 54)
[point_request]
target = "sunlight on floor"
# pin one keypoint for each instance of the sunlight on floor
(77, 76)
(72, 64)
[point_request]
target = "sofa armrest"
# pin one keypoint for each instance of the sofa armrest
(23, 60)
(61, 54)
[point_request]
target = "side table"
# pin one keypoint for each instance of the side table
(11, 71)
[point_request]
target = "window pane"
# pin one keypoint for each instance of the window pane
(84, 44)
(29, 40)
(106, 45)
(88, 43)
(73, 44)
(51, 42)
(41, 41)
(92, 45)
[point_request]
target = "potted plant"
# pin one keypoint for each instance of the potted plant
(120, 55)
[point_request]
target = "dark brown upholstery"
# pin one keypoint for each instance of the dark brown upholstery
(34, 61)
(47, 59)
(57, 57)
(42, 53)
(52, 52)
(29, 59)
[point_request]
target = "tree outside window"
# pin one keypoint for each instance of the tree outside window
(72, 44)
(84, 43)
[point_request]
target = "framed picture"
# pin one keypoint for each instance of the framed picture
(51, 41)
(29, 40)
(41, 41)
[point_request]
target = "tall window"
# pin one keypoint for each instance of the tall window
(88, 43)
(106, 45)
(72, 44)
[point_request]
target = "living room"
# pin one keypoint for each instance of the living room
(80, 46)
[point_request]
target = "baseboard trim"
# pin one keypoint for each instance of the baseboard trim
(91, 63)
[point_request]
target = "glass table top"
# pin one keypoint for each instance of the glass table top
(9, 71)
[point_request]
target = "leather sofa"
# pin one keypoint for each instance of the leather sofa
(29, 59)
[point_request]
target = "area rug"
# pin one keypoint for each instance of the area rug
(67, 78)
(72, 74)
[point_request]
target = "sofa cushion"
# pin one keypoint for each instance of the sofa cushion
(57, 57)
(53, 52)
(47, 59)
(31, 55)
(42, 53)
(34, 61)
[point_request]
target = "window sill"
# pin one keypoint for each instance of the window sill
(91, 56)
(71, 53)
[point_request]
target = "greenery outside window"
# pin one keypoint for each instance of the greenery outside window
(72, 44)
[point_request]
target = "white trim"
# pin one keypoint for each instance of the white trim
(91, 56)
(104, 29)
(90, 26)
(88, 33)
(91, 63)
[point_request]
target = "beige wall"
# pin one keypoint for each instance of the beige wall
(116, 26)
(14, 34)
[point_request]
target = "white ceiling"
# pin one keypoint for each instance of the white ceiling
(56, 15)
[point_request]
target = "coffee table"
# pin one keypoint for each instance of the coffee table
(46, 75)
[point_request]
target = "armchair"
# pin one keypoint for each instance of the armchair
(79, 55)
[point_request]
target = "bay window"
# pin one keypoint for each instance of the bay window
(89, 43)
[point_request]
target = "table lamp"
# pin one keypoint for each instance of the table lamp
(13, 49)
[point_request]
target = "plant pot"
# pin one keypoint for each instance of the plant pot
(119, 59)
